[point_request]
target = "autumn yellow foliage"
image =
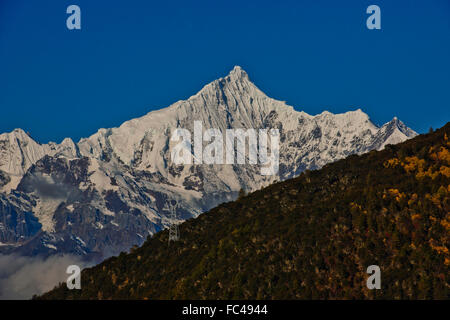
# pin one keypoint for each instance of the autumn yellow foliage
(395, 193)
(354, 205)
(391, 163)
(446, 223)
(418, 166)
(413, 199)
(442, 155)
(445, 171)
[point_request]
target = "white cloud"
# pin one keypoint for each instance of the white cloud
(22, 277)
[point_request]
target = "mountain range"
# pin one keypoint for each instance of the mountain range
(112, 190)
(310, 237)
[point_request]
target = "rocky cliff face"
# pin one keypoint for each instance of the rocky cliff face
(113, 189)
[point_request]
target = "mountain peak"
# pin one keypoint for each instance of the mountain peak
(395, 122)
(396, 131)
(17, 133)
(237, 73)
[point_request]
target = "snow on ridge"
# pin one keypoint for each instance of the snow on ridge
(44, 211)
(99, 177)
(18, 152)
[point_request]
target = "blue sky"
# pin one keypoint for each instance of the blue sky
(131, 57)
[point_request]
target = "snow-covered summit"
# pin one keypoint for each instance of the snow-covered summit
(394, 132)
(18, 152)
(237, 73)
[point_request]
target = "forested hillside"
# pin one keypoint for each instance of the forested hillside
(309, 237)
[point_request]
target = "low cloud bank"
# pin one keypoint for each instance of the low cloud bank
(22, 277)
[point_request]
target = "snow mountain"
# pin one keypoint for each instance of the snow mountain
(110, 191)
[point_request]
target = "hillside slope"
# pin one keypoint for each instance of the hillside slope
(309, 237)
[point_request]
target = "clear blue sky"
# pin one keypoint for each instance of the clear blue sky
(131, 57)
